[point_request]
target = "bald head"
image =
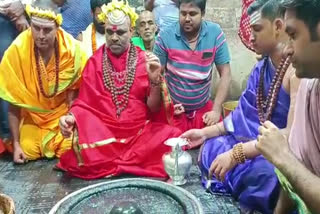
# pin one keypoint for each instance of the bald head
(146, 14)
(146, 26)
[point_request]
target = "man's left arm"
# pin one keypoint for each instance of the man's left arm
(222, 60)
(80, 61)
(223, 87)
(72, 94)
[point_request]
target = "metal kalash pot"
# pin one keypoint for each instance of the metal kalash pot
(177, 163)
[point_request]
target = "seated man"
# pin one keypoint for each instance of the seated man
(121, 84)
(146, 28)
(298, 157)
(94, 36)
(187, 52)
(44, 65)
(237, 167)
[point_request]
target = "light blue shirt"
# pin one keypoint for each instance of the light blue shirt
(166, 13)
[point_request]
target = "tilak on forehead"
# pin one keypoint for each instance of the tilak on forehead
(116, 12)
(255, 17)
(43, 16)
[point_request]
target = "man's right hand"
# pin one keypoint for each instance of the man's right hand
(66, 125)
(178, 109)
(195, 137)
(272, 143)
(13, 10)
(18, 155)
(21, 24)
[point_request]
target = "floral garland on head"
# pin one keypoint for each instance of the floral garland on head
(116, 12)
(47, 14)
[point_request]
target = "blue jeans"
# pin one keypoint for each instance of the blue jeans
(6, 38)
(4, 123)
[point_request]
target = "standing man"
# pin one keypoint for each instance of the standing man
(13, 20)
(298, 157)
(187, 52)
(146, 28)
(76, 15)
(120, 87)
(44, 65)
(94, 36)
(166, 12)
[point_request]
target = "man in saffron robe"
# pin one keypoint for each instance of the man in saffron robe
(297, 158)
(94, 36)
(237, 167)
(40, 72)
(121, 84)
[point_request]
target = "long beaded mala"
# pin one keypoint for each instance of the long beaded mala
(120, 94)
(265, 106)
(42, 70)
(93, 39)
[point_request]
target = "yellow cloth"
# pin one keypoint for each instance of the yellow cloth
(39, 130)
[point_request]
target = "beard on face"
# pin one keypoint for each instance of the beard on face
(99, 26)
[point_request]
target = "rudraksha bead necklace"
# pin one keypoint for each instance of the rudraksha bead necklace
(265, 106)
(120, 94)
(41, 70)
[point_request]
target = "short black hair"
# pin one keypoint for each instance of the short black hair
(307, 11)
(270, 9)
(98, 3)
(199, 3)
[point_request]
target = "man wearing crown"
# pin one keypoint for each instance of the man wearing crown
(109, 121)
(40, 75)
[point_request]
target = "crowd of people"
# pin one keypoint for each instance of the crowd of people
(102, 88)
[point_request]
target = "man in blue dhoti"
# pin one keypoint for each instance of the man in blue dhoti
(229, 161)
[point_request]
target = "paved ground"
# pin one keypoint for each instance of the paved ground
(36, 187)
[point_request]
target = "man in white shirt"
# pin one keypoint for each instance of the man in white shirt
(94, 36)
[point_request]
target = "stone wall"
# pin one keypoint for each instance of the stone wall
(227, 13)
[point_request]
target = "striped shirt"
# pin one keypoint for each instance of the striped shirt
(188, 72)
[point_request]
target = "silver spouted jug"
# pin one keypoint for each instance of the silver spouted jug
(177, 163)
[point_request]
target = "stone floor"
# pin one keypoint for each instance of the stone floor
(36, 187)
